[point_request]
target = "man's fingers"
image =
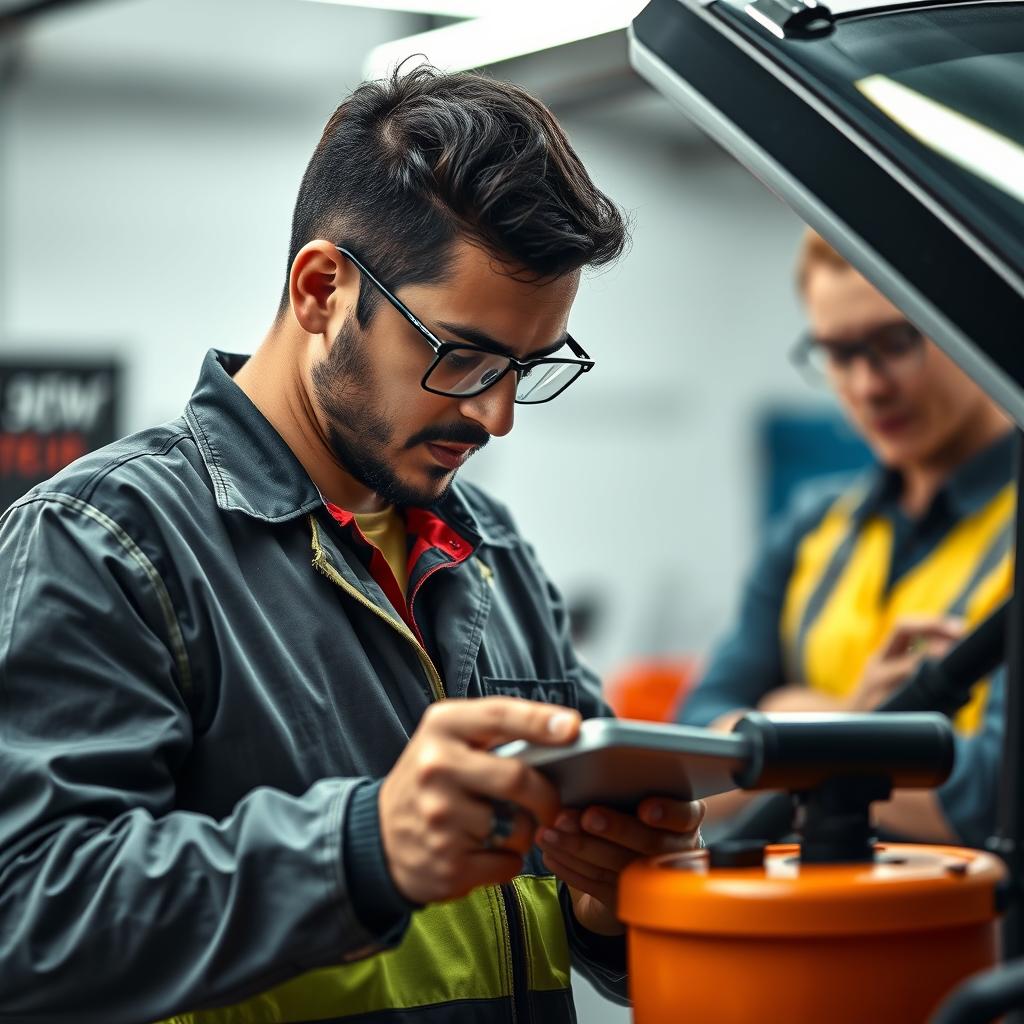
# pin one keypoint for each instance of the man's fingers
(488, 721)
(611, 840)
(485, 821)
(600, 854)
(627, 831)
(501, 778)
(895, 672)
(936, 647)
(945, 625)
(683, 816)
(585, 877)
(914, 631)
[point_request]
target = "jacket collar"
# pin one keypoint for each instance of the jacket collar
(969, 488)
(252, 469)
(255, 472)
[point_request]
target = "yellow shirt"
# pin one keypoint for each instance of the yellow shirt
(386, 532)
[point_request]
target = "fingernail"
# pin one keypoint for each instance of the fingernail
(596, 822)
(655, 813)
(550, 836)
(566, 823)
(561, 724)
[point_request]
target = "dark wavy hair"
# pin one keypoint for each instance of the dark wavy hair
(408, 164)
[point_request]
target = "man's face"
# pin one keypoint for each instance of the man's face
(404, 443)
(909, 415)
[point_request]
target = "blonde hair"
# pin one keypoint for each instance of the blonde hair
(816, 252)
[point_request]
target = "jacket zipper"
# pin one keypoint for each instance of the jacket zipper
(511, 910)
(323, 565)
(485, 572)
(514, 924)
(419, 586)
(510, 901)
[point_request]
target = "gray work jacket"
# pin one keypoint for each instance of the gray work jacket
(197, 672)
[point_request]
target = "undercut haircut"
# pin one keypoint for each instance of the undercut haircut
(408, 164)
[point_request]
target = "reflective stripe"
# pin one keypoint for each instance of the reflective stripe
(811, 568)
(854, 618)
(837, 610)
(451, 952)
(547, 948)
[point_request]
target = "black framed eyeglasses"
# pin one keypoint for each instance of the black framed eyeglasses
(895, 349)
(460, 370)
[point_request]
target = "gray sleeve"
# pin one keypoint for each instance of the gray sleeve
(116, 907)
(969, 797)
(601, 959)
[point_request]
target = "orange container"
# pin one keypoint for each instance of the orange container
(651, 689)
(807, 944)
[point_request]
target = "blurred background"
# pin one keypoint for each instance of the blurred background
(150, 151)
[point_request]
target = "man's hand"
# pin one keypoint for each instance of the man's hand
(588, 851)
(437, 803)
(911, 640)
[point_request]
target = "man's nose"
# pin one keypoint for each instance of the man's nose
(866, 378)
(493, 409)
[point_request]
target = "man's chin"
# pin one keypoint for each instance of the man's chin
(899, 455)
(431, 488)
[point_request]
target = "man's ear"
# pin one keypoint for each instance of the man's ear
(323, 287)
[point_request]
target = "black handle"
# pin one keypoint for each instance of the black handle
(799, 753)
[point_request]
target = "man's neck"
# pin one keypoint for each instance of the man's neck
(923, 480)
(274, 381)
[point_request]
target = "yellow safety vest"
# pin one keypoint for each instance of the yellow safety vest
(451, 953)
(838, 612)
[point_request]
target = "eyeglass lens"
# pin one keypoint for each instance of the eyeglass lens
(542, 382)
(464, 371)
(468, 371)
(894, 349)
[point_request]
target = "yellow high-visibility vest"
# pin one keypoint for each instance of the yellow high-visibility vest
(838, 610)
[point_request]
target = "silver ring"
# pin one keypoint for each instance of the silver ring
(503, 824)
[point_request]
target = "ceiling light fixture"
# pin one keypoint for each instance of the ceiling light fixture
(493, 31)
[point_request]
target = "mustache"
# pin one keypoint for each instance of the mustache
(455, 433)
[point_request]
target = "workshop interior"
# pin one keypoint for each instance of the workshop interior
(149, 155)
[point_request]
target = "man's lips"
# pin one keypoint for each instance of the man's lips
(890, 424)
(451, 456)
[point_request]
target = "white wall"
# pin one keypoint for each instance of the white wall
(151, 153)
(151, 150)
(641, 481)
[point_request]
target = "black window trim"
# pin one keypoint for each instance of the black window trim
(668, 24)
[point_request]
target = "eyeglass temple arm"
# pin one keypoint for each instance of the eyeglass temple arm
(435, 343)
(579, 351)
(395, 301)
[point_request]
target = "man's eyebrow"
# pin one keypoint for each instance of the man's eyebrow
(477, 337)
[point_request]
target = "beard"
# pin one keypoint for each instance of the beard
(360, 434)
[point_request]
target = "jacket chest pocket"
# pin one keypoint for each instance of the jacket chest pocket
(548, 691)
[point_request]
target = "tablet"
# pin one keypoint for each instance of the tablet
(618, 763)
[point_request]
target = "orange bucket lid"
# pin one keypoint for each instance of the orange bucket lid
(906, 888)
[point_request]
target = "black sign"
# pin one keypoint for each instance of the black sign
(50, 414)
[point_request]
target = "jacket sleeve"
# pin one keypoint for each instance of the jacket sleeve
(969, 797)
(116, 907)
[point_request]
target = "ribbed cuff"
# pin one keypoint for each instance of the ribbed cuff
(378, 904)
(605, 951)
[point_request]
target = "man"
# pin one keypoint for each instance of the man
(860, 582)
(239, 779)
